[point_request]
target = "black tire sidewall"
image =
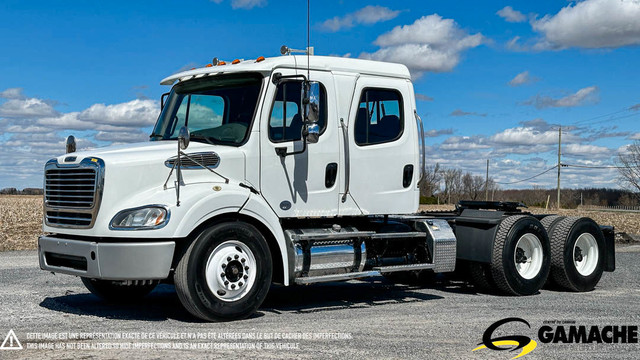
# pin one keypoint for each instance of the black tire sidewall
(206, 302)
(579, 281)
(518, 283)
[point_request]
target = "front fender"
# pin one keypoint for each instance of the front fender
(229, 199)
(257, 208)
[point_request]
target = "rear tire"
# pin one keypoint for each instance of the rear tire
(549, 223)
(577, 254)
(225, 273)
(115, 292)
(481, 277)
(521, 256)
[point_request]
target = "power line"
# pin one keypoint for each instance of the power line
(593, 166)
(527, 179)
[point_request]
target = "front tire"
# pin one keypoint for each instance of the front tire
(225, 273)
(521, 255)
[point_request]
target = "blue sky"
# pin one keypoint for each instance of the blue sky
(495, 78)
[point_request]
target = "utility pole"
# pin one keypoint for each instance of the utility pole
(559, 166)
(486, 184)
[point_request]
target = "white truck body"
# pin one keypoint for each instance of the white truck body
(323, 212)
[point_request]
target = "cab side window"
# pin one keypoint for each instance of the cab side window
(286, 120)
(379, 118)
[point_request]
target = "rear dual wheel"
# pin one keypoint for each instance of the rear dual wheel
(577, 253)
(520, 259)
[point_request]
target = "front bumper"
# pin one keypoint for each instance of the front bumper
(108, 261)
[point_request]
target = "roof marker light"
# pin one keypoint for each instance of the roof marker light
(260, 59)
(236, 61)
(222, 63)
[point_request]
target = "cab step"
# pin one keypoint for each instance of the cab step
(410, 267)
(335, 277)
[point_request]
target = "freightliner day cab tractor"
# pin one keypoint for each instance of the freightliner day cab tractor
(294, 170)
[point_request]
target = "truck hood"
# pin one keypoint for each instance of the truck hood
(145, 151)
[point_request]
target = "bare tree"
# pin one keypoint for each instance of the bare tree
(452, 184)
(431, 181)
(629, 170)
(473, 186)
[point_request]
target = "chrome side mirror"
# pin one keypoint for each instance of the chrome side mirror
(71, 144)
(183, 138)
(312, 111)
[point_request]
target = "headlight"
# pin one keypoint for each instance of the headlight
(142, 218)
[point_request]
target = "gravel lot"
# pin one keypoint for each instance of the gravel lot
(358, 319)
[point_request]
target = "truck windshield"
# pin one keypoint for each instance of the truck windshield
(217, 110)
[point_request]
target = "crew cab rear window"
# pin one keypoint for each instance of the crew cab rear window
(286, 120)
(379, 118)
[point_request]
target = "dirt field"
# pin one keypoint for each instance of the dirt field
(21, 220)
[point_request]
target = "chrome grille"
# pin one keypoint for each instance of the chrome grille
(72, 193)
(74, 187)
(209, 159)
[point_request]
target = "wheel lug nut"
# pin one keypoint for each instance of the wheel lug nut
(246, 268)
(224, 266)
(223, 275)
(228, 258)
(226, 283)
(245, 277)
(236, 257)
(233, 286)
(239, 284)
(243, 260)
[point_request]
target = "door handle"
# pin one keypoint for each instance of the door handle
(330, 175)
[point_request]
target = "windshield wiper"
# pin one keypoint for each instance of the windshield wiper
(155, 136)
(202, 138)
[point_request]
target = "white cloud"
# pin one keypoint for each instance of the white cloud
(247, 4)
(26, 108)
(431, 43)
(581, 97)
(122, 136)
(12, 93)
(368, 15)
(522, 79)
(585, 150)
(525, 136)
(591, 24)
(511, 15)
(117, 117)
(635, 136)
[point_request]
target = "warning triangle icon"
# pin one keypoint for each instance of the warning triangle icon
(11, 342)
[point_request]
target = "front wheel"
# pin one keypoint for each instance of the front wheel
(225, 273)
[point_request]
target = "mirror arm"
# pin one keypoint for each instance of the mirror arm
(282, 151)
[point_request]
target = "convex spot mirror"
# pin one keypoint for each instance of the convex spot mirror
(311, 101)
(183, 138)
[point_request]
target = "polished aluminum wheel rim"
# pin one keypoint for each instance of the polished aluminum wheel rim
(231, 270)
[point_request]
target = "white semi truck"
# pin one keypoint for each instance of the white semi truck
(292, 170)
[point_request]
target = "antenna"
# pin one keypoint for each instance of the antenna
(308, 38)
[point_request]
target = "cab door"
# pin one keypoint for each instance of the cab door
(383, 147)
(304, 184)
